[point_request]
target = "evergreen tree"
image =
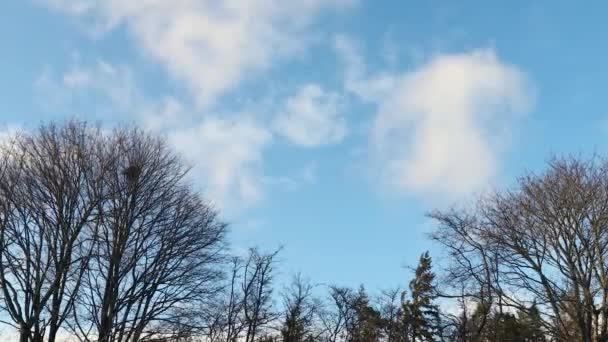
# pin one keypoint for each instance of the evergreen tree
(367, 323)
(469, 326)
(494, 325)
(504, 327)
(421, 314)
(294, 329)
(532, 325)
(300, 311)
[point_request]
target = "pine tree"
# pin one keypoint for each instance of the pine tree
(505, 327)
(367, 323)
(468, 326)
(293, 329)
(488, 324)
(300, 311)
(532, 325)
(421, 314)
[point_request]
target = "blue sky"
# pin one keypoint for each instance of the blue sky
(327, 126)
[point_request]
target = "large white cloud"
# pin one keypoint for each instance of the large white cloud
(441, 128)
(312, 117)
(209, 45)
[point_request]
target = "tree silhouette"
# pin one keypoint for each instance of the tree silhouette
(421, 314)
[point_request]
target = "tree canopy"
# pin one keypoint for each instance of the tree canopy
(102, 237)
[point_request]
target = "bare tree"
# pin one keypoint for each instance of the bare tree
(244, 309)
(50, 193)
(257, 287)
(222, 320)
(543, 243)
(157, 248)
(391, 311)
(337, 314)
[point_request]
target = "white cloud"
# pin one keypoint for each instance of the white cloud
(312, 118)
(211, 46)
(227, 153)
(440, 129)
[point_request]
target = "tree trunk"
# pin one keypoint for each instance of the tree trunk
(52, 332)
(24, 334)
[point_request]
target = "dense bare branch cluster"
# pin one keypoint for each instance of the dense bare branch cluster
(101, 234)
(541, 246)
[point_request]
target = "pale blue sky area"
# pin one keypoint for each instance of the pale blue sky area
(328, 126)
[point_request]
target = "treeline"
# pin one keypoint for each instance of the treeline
(103, 238)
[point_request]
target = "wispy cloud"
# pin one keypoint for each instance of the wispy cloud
(228, 157)
(100, 82)
(312, 117)
(210, 46)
